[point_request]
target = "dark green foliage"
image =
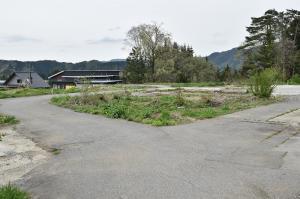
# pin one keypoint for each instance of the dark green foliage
(227, 74)
(11, 192)
(135, 71)
(263, 83)
(273, 41)
(295, 80)
(155, 58)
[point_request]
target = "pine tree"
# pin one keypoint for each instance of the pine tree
(135, 71)
(262, 36)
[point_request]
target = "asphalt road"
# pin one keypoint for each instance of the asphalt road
(242, 155)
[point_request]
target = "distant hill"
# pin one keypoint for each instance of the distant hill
(47, 67)
(231, 57)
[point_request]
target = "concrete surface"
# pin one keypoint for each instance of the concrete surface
(18, 155)
(287, 90)
(292, 118)
(242, 155)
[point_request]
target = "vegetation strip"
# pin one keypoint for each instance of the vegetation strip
(26, 92)
(177, 107)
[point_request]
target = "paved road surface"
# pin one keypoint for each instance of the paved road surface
(242, 155)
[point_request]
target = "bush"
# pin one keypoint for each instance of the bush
(115, 110)
(179, 101)
(295, 80)
(6, 119)
(11, 192)
(263, 83)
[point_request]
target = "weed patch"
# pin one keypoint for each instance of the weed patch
(12, 192)
(7, 120)
(161, 110)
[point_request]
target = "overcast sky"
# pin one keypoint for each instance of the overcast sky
(77, 30)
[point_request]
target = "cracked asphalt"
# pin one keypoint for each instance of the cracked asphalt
(243, 155)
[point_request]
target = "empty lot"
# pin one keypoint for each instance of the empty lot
(250, 154)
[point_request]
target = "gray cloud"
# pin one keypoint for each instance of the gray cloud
(105, 40)
(18, 39)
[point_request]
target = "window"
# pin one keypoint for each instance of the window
(19, 81)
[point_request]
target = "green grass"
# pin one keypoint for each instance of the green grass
(7, 120)
(25, 92)
(12, 192)
(160, 110)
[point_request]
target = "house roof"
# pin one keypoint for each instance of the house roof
(84, 73)
(37, 81)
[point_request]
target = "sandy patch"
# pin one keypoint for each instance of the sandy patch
(18, 155)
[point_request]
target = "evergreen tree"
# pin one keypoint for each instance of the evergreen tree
(227, 74)
(273, 41)
(262, 36)
(135, 71)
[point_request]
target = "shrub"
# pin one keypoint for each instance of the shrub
(263, 83)
(11, 192)
(115, 110)
(179, 101)
(295, 80)
(6, 119)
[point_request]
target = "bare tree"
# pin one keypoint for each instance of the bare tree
(147, 38)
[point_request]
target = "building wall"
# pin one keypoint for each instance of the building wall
(37, 81)
(14, 81)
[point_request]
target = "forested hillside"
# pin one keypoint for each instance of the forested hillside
(232, 57)
(47, 68)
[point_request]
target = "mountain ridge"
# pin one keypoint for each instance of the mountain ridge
(231, 57)
(48, 67)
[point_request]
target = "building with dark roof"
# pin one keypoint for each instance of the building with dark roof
(25, 79)
(71, 78)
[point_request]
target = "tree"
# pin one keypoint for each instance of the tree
(262, 36)
(148, 38)
(227, 74)
(155, 57)
(273, 41)
(135, 71)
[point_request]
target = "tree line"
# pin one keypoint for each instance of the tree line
(273, 42)
(156, 58)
